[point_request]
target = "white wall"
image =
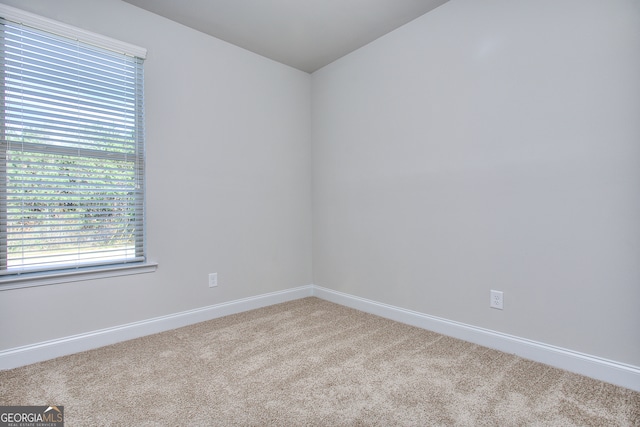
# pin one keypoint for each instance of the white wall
(228, 143)
(489, 145)
(486, 145)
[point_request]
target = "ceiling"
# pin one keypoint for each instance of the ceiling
(305, 34)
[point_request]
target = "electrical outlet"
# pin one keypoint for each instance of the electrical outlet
(213, 280)
(497, 300)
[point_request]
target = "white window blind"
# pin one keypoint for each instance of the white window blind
(71, 153)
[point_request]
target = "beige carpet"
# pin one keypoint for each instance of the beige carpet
(311, 362)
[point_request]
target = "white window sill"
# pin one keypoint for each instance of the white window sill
(66, 276)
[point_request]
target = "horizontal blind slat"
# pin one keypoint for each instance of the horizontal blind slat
(65, 101)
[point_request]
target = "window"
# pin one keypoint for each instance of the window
(71, 148)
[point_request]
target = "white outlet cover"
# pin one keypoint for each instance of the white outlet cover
(497, 300)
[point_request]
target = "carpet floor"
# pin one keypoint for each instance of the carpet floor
(310, 362)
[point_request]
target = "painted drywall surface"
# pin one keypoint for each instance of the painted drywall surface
(489, 145)
(228, 186)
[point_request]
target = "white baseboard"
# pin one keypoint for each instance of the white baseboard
(39, 352)
(591, 366)
(601, 369)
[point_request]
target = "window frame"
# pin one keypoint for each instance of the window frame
(77, 273)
